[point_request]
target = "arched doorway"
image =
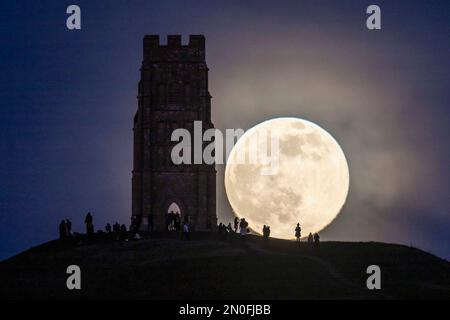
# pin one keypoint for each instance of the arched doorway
(173, 217)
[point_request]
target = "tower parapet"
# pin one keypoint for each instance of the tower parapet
(174, 50)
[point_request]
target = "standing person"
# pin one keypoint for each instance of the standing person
(243, 227)
(171, 220)
(166, 216)
(298, 232)
(150, 222)
(236, 224)
(62, 230)
(316, 239)
(122, 233)
(310, 238)
(89, 226)
(108, 228)
(223, 231)
(229, 228)
(116, 227)
(69, 227)
(116, 230)
(134, 223)
(186, 230)
(264, 232)
(177, 222)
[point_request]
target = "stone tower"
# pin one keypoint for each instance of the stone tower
(173, 93)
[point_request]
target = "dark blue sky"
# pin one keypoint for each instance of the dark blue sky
(68, 98)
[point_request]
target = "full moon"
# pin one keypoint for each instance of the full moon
(308, 186)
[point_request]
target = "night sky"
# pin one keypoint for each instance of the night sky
(68, 99)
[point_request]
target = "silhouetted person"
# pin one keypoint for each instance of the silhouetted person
(186, 230)
(243, 227)
(222, 229)
(310, 238)
(229, 228)
(236, 224)
(116, 228)
(171, 221)
(134, 223)
(298, 232)
(122, 233)
(150, 222)
(69, 227)
(62, 230)
(316, 239)
(266, 232)
(89, 226)
(108, 228)
(88, 218)
(177, 222)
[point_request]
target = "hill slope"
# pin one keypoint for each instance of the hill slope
(207, 268)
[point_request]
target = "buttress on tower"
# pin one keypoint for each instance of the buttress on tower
(173, 93)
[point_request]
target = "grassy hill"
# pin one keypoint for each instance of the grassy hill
(205, 267)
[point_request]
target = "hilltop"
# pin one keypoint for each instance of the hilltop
(205, 267)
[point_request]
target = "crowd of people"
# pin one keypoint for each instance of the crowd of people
(239, 224)
(312, 239)
(241, 227)
(118, 231)
(173, 223)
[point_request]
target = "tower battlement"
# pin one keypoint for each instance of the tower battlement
(174, 50)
